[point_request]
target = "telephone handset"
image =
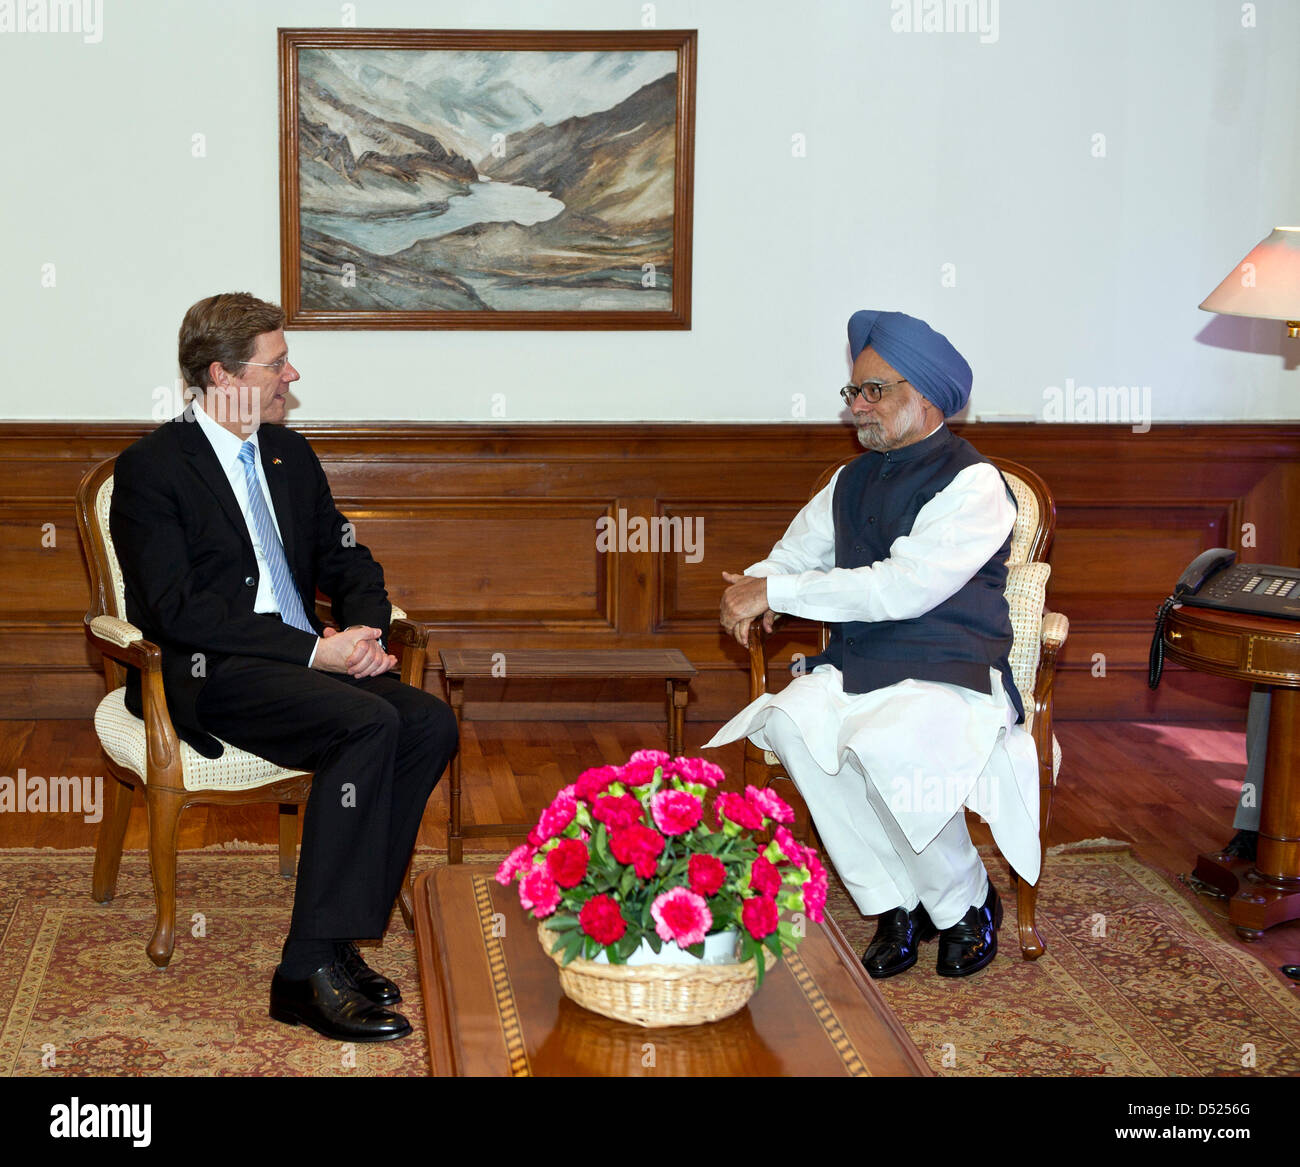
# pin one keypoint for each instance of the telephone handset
(1212, 581)
(1200, 569)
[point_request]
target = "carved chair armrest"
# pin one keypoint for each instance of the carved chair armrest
(757, 660)
(401, 629)
(408, 633)
(1056, 627)
(1055, 630)
(414, 639)
(118, 632)
(126, 643)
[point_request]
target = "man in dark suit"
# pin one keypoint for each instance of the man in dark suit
(225, 528)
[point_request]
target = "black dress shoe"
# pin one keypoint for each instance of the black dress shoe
(972, 942)
(331, 1004)
(377, 988)
(1243, 845)
(897, 942)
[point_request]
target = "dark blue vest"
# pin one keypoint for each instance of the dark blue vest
(877, 498)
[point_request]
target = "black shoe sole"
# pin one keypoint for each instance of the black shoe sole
(986, 960)
(289, 1017)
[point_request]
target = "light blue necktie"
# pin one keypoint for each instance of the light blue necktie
(282, 585)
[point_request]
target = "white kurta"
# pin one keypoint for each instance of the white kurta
(927, 749)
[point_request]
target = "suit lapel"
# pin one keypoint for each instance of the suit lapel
(210, 471)
(277, 469)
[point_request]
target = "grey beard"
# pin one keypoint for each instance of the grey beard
(908, 424)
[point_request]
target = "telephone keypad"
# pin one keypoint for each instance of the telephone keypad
(1269, 591)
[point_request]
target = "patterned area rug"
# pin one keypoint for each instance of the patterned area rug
(1135, 981)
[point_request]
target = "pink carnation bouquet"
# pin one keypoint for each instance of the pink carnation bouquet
(630, 853)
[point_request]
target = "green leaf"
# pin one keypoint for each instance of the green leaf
(627, 944)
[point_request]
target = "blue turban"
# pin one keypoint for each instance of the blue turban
(923, 357)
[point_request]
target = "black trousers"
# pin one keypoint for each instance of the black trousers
(378, 748)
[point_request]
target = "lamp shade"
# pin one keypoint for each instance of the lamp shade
(1266, 283)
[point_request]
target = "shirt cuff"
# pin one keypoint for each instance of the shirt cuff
(311, 659)
(781, 592)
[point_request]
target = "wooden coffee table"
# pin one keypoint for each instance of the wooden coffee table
(495, 1008)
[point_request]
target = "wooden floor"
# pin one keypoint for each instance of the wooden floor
(1169, 789)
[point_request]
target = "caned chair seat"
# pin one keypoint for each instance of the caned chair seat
(122, 735)
(1038, 637)
(149, 754)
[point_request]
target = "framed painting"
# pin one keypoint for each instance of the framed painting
(464, 179)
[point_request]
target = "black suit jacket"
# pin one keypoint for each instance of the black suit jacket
(191, 572)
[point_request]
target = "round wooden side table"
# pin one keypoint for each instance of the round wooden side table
(1262, 651)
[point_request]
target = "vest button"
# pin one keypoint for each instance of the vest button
(250, 582)
(871, 518)
(849, 642)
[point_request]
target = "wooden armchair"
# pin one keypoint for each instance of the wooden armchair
(149, 754)
(1039, 635)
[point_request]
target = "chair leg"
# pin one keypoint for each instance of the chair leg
(406, 897)
(755, 770)
(288, 838)
(108, 844)
(1031, 944)
(164, 817)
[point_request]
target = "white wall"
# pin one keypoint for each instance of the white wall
(922, 150)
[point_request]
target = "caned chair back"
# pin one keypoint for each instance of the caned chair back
(115, 589)
(94, 497)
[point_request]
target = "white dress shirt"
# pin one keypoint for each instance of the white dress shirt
(959, 530)
(226, 446)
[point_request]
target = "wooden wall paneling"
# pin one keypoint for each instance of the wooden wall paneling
(488, 531)
(734, 536)
(493, 562)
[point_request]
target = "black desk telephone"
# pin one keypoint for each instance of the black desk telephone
(1211, 581)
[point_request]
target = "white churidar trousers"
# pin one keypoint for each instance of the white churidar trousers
(887, 775)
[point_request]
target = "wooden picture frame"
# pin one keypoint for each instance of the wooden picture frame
(465, 138)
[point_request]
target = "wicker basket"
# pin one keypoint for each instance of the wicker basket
(655, 995)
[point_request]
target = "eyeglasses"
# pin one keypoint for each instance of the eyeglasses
(871, 391)
(279, 365)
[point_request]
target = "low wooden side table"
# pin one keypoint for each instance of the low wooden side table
(458, 666)
(494, 1005)
(1263, 651)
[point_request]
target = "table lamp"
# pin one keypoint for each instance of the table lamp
(1265, 284)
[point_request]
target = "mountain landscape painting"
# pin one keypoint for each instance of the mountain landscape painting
(511, 188)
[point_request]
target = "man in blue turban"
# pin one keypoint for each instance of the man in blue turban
(911, 714)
